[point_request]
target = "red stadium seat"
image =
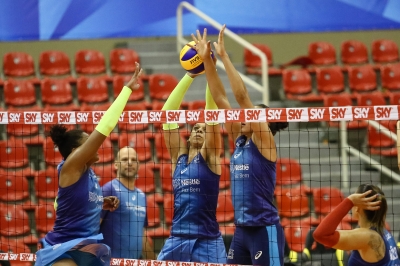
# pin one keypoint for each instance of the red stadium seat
(140, 106)
(19, 92)
(329, 80)
(292, 202)
(252, 62)
(342, 99)
(390, 77)
(46, 183)
(296, 236)
(119, 82)
(13, 187)
(394, 98)
(377, 140)
(15, 245)
(138, 141)
(54, 63)
(153, 211)
(52, 156)
(354, 52)
(168, 208)
(362, 79)
(13, 153)
(371, 99)
(225, 212)
(162, 152)
(288, 171)
(122, 60)
(225, 179)
(18, 64)
(56, 91)
(92, 89)
(384, 51)
(196, 105)
(297, 85)
(89, 62)
(14, 221)
(24, 130)
(326, 199)
(45, 216)
(322, 53)
(145, 178)
(161, 85)
(104, 172)
(106, 152)
(165, 170)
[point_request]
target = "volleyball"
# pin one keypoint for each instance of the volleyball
(190, 60)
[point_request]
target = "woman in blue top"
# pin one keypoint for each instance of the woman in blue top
(258, 238)
(195, 235)
(75, 237)
(371, 243)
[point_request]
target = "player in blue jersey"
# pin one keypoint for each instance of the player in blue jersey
(75, 238)
(195, 235)
(123, 229)
(258, 237)
(374, 245)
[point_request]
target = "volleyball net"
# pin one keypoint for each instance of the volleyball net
(323, 156)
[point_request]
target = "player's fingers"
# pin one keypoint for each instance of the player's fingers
(194, 39)
(198, 36)
(205, 34)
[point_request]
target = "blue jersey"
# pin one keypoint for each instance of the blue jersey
(390, 259)
(123, 228)
(253, 179)
(196, 190)
(78, 211)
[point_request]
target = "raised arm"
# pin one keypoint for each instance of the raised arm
(174, 142)
(262, 135)
(76, 162)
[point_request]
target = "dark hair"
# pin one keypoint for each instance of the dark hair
(275, 127)
(65, 140)
(377, 217)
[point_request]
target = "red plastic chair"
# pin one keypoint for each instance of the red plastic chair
(394, 98)
(390, 77)
(13, 188)
(165, 170)
(89, 62)
(225, 179)
(225, 212)
(52, 156)
(18, 64)
(140, 106)
(162, 152)
(384, 51)
(329, 80)
(14, 221)
(122, 60)
(292, 202)
(354, 52)
(106, 152)
(362, 78)
(46, 183)
(19, 92)
(145, 178)
(138, 141)
(153, 211)
(322, 53)
(253, 63)
(196, 105)
(371, 99)
(56, 91)
(54, 62)
(13, 153)
(326, 199)
(45, 216)
(104, 172)
(297, 85)
(161, 86)
(296, 236)
(342, 99)
(288, 171)
(168, 208)
(118, 83)
(92, 89)
(377, 140)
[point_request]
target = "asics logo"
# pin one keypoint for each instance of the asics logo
(258, 255)
(184, 170)
(237, 155)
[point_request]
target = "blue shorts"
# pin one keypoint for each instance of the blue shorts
(193, 250)
(253, 245)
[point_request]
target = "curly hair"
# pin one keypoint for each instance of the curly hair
(65, 140)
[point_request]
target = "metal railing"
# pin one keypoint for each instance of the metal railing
(180, 41)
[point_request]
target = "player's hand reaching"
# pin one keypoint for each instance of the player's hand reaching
(133, 82)
(364, 202)
(203, 47)
(110, 203)
(220, 45)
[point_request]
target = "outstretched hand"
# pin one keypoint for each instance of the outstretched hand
(203, 47)
(364, 202)
(220, 45)
(133, 82)
(110, 203)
